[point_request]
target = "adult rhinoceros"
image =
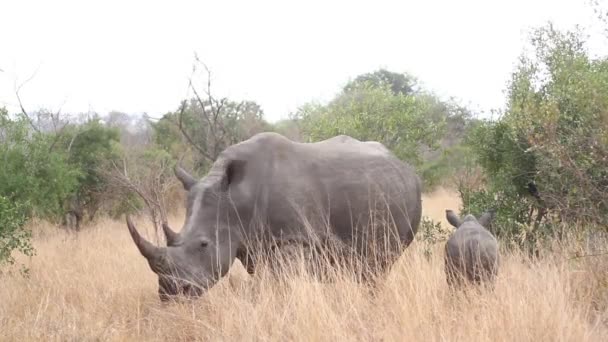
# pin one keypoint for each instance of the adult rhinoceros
(269, 191)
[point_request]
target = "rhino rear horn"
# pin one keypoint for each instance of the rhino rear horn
(170, 235)
(148, 250)
(187, 180)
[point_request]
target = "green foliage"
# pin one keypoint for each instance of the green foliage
(89, 147)
(288, 128)
(554, 135)
(369, 112)
(32, 172)
(431, 233)
(399, 83)
(167, 134)
(445, 169)
(13, 235)
(54, 171)
(208, 127)
(128, 203)
(145, 181)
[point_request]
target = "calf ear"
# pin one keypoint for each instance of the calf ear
(452, 218)
(487, 218)
(235, 172)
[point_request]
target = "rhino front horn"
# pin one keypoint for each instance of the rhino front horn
(146, 249)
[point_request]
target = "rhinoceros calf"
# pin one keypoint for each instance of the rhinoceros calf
(268, 191)
(471, 252)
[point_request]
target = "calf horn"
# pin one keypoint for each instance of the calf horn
(151, 252)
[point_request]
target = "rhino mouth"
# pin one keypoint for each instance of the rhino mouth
(179, 291)
(192, 291)
(171, 286)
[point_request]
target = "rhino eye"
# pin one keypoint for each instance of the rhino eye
(204, 244)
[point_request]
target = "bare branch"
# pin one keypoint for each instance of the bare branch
(202, 104)
(149, 180)
(187, 136)
(211, 130)
(25, 114)
(59, 135)
(55, 118)
(23, 111)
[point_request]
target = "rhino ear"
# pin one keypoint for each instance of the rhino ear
(487, 217)
(187, 180)
(235, 172)
(452, 218)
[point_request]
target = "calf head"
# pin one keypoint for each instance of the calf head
(484, 220)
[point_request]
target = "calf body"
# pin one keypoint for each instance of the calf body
(471, 252)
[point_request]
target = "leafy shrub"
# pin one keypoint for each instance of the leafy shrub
(13, 235)
(546, 159)
(448, 167)
(32, 171)
(370, 112)
(431, 233)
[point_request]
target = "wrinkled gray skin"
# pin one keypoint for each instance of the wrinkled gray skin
(471, 253)
(257, 194)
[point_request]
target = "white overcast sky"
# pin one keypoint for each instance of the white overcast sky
(136, 56)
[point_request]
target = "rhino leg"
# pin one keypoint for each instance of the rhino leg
(454, 273)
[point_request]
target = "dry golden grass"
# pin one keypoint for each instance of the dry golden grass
(96, 286)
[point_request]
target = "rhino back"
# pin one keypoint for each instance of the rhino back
(330, 181)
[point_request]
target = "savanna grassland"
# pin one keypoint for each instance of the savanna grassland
(541, 163)
(94, 285)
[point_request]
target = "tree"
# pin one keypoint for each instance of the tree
(546, 159)
(147, 173)
(13, 235)
(32, 170)
(371, 112)
(208, 124)
(400, 84)
(88, 146)
(34, 180)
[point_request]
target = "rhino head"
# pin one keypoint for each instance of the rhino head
(197, 257)
(484, 220)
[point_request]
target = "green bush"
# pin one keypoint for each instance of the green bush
(447, 167)
(402, 122)
(13, 235)
(431, 233)
(32, 171)
(546, 159)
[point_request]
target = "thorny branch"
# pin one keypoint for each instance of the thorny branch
(151, 188)
(55, 117)
(187, 136)
(23, 111)
(211, 117)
